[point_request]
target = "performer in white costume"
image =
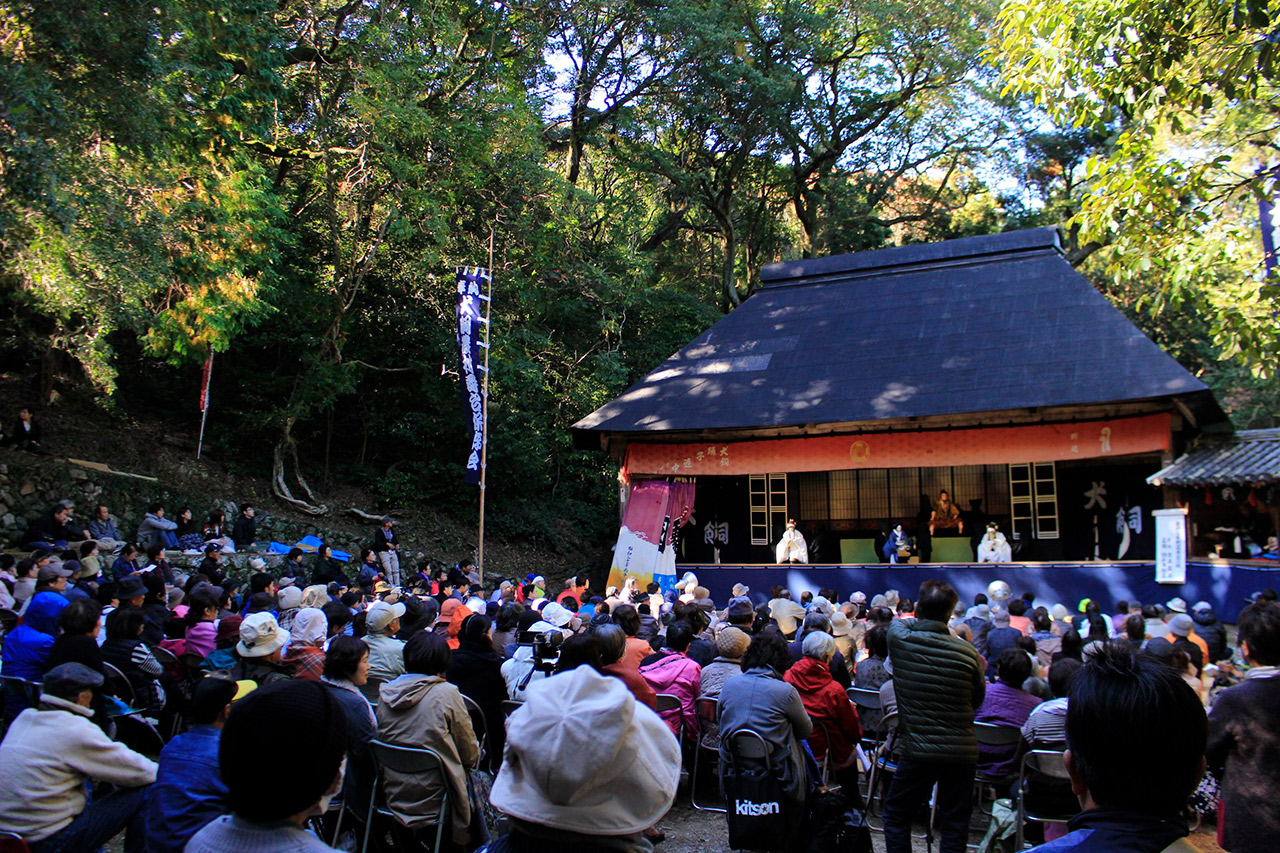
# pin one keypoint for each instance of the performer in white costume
(792, 547)
(994, 548)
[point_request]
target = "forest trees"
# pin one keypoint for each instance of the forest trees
(1185, 93)
(290, 184)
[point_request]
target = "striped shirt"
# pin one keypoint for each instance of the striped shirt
(1047, 725)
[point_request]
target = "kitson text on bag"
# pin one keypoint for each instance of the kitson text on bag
(746, 807)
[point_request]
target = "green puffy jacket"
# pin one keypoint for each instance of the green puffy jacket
(938, 682)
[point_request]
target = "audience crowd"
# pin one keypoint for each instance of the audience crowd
(145, 701)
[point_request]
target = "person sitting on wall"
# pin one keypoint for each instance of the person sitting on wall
(896, 542)
(946, 516)
(994, 548)
(791, 547)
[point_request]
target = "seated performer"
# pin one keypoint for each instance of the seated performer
(994, 548)
(792, 547)
(896, 542)
(946, 516)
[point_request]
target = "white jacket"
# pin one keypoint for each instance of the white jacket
(47, 755)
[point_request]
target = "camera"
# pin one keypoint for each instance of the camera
(546, 649)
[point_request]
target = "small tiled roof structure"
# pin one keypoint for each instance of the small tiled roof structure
(979, 324)
(1251, 457)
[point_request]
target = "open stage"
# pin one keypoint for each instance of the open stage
(1222, 583)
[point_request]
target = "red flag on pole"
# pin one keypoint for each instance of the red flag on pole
(204, 382)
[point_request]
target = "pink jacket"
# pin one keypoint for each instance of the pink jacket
(678, 675)
(202, 639)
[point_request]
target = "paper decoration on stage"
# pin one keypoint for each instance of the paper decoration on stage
(646, 549)
(1171, 545)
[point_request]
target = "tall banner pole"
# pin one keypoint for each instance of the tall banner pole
(484, 402)
(205, 379)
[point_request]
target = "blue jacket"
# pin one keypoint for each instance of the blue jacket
(188, 792)
(27, 647)
(1103, 831)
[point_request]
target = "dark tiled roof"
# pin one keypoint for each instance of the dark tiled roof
(1249, 456)
(978, 324)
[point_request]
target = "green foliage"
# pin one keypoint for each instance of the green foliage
(1186, 94)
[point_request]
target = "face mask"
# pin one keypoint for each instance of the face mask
(323, 805)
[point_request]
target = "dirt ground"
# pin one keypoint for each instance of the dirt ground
(691, 831)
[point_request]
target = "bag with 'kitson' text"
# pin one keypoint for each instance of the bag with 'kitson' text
(760, 816)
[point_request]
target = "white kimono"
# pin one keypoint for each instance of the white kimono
(792, 548)
(994, 548)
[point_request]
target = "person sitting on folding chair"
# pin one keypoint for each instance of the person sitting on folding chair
(273, 817)
(189, 791)
(48, 755)
(1136, 738)
(618, 782)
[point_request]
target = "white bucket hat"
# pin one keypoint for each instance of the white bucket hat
(622, 779)
(260, 635)
(556, 614)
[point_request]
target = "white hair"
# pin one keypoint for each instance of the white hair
(819, 645)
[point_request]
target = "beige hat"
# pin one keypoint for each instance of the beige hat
(260, 635)
(732, 643)
(621, 780)
(841, 626)
(380, 615)
(289, 597)
(258, 564)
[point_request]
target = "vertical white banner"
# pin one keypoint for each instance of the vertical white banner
(1171, 545)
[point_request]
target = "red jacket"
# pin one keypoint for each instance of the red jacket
(827, 703)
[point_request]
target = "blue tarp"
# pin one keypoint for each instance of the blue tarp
(1224, 584)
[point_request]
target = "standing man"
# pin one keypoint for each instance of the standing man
(939, 685)
(1244, 736)
(388, 550)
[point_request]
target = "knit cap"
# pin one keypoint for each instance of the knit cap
(317, 726)
(732, 643)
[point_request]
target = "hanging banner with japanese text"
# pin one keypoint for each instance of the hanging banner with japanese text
(651, 523)
(1171, 545)
(472, 286)
(975, 446)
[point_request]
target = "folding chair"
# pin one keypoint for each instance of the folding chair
(708, 713)
(409, 761)
(991, 734)
(370, 690)
(510, 706)
(119, 685)
(1045, 764)
(139, 735)
(823, 762)
(480, 725)
(667, 705)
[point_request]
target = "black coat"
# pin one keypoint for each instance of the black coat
(245, 532)
(1214, 634)
(327, 570)
(477, 673)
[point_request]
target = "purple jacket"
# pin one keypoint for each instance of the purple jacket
(1004, 706)
(680, 676)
